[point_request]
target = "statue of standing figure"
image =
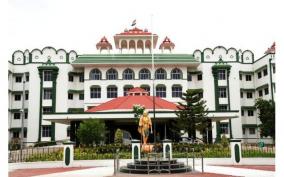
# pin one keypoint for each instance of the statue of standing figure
(145, 124)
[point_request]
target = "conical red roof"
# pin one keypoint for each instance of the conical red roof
(127, 103)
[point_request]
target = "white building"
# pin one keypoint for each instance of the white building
(60, 85)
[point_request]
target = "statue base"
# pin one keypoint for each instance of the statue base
(147, 148)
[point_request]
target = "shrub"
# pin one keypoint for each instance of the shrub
(91, 131)
(224, 141)
(14, 144)
(118, 136)
(48, 143)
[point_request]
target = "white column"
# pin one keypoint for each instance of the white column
(136, 155)
(236, 151)
(167, 148)
(68, 156)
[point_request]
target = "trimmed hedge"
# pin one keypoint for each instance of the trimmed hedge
(48, 143)
(179, 151)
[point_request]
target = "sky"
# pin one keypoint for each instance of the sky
(79, 25)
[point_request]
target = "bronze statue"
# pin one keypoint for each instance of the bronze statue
(144, 124)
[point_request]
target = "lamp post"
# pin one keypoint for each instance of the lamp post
(153, 79)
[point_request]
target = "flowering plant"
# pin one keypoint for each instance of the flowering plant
(138, 110)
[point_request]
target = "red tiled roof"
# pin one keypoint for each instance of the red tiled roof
(127, 102)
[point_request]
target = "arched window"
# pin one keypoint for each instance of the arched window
(146, 87)
(95, 91)
(161, 74)
(111, 74)
(176, 74)
(161, 91)
(126, 88)
(95, 74)
(176, 91)
(128, 74)
(144, 74)
(112, 91)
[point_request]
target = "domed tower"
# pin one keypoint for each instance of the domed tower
(135, 41)
(167, 44)
(104, 45)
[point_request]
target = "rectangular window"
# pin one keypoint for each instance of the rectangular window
(250, 113)
(16, 134)
(81, 78)
(47, 76)
(70, 78)
(223, 107)
(248, 77)
(252, 131)
(111, 92)
(249, 95)
(25, 133)
(224, 127)
(161, 92)
(266, 91)
(222, 92)
(95, 92)
(221, 74)
(68, 131)
(18, 97)
(27, 78)
(17, 115)
(18, 79)
(241, 76)
(242, 112)
(260, 94)
(81, 96)
(189, 77)
(47, 94)
(244, 131)
(259, 75)
(70, 96)
(46, 109)
(265, 72)
(176, 91)
(46, 131)
(200, 95)
(199, 77)
(242, 94)
(26, 115)
(273, 69)
(27, 96)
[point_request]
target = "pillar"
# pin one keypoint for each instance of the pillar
(68, 156)
(136, 151)
(218, 131)
(236, 151)
(167, 149)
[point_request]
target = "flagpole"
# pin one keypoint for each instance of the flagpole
(153, 79)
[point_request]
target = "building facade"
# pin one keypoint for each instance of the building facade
(54, 82)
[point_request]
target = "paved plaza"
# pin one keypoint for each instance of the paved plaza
(100, 171)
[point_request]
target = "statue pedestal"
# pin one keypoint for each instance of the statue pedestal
(167, 149)
(136, 151)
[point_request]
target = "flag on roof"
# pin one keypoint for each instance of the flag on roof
(271, 49)
(134, 23)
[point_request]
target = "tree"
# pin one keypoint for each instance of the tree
(118, 136)
(267, 117)
(91, 131)
(192, 113)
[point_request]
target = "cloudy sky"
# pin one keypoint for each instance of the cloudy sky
(190, 25)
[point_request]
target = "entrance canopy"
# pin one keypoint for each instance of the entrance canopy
(136, 96)
(121, 109)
